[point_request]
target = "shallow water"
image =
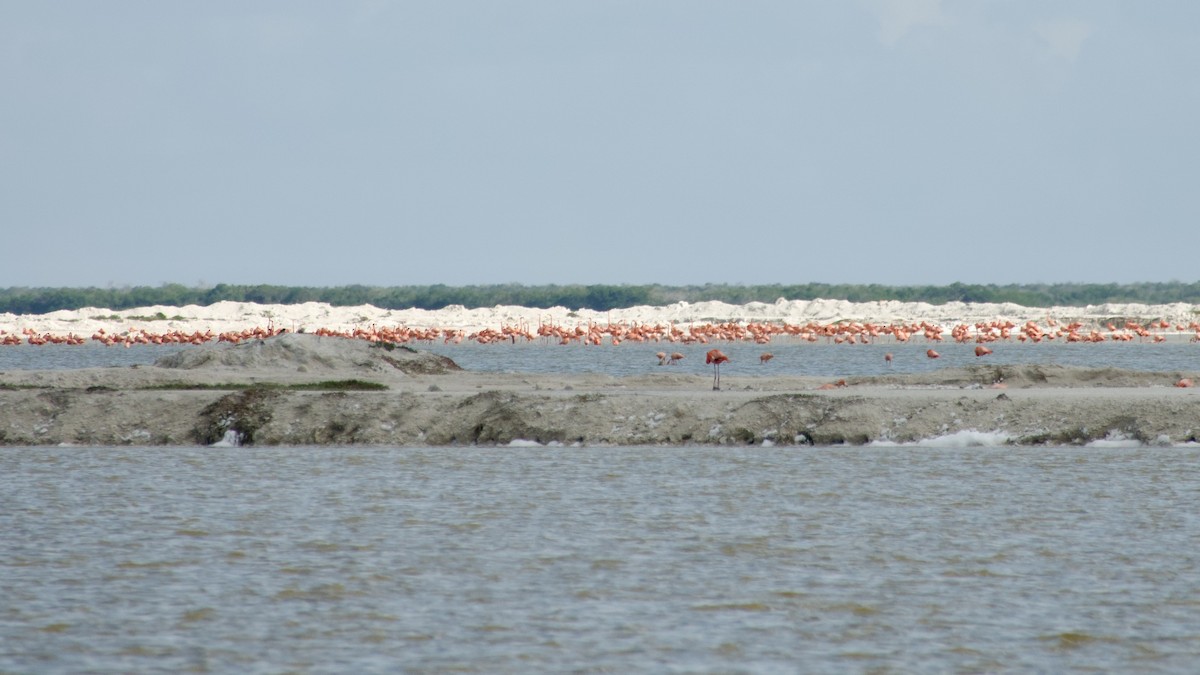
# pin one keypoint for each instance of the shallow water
(88, 355)
(610, 560)
(791, 357)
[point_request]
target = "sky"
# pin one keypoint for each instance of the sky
(897, 142)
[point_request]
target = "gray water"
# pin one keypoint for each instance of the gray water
(513, 560)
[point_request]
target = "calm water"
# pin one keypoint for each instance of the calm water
(517, 560)
(792, 357)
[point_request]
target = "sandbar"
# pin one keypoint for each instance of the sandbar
(292, 390)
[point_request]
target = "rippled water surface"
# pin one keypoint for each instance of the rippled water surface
(609, 559)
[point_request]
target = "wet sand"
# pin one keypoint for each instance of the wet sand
(199, 397)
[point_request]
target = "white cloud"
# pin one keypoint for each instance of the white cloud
(898, 17)
(1064, 37)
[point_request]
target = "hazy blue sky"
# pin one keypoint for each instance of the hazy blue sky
(393, 143)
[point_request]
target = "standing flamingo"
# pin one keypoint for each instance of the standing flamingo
(887, 358)
(716, 357)
(765, 357)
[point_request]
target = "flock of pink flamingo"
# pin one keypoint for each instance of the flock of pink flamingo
(135, 336)
(841, 332)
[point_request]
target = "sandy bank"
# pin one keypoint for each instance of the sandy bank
(190, 399)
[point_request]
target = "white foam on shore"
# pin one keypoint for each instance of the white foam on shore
(1114, 439)
(978, 439)
(225, 316)
(967, 438)
(232, 439)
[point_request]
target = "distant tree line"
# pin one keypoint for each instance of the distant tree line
(599, 297)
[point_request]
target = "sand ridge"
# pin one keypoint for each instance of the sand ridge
(429, 401)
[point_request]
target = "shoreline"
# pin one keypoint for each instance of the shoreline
(248, 393)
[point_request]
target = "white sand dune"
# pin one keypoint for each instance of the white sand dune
(224, 316)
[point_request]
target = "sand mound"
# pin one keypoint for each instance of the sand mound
(1068, 376)
(297, 351)
(1027, 376)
